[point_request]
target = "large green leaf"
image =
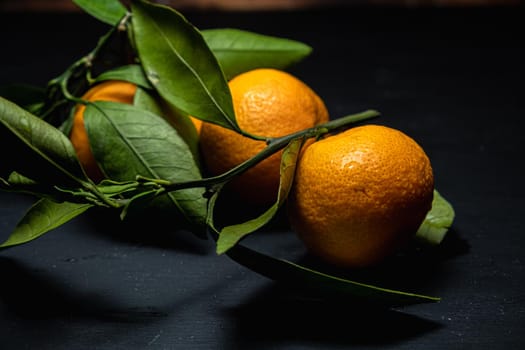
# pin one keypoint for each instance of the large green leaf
(44, 216)
(129, 141)
(315, 283)
(240, 51)
(180, 65)
(107, 11)
(230, 235)
(36, 149)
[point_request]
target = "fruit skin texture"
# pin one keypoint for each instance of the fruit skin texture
(359, 195)
(269, 103)
(111, 90)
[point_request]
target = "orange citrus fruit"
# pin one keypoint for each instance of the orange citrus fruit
(269, 103)
(359, 195)
(111, 90)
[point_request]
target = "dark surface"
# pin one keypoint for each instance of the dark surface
(452, 79)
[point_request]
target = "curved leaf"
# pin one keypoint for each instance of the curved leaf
(180, 65)
(239, 51)
(131, 142)
(437, 222)
(107, 11)
(230, 235)
(319, 284)
(132, 73)
(36, 149)
(44, 216)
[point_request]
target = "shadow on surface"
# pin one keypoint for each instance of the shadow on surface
(35, 295)
(283, 314)
(417, 268)
(148, 229)
(276, 316)
(288, 313)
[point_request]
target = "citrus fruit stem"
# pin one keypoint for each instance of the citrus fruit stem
(98, 197)
(103, 197)
(273, 146)
(58, 89)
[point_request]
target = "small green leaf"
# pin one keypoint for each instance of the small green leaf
(132, 142)
(16, 182)
(15, 179)
(230, 235)
(132, 73)
(437, 222)
(114, 188)
(36, 149)
(319, 284)
(44, 216)
(239, 51)
(107, 11)
(180, 65)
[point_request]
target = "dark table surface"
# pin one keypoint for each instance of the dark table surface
(450, 78)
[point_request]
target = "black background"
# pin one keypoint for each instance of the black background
(450, 78)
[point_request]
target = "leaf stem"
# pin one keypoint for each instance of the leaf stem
(274, 145)
(60, 84)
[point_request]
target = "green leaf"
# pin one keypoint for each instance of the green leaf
(437, 222)
(44, 216)
(144, 99)
(107, 11)
(132, 73)
(131, 142)
(180, 65)
(239, 51)
(16, 182)
(318, 284)
(182, 123)
(36, 149)
(115, 188)
(230, 235)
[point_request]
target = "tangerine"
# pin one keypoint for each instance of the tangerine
(269, 103)
(359, 195)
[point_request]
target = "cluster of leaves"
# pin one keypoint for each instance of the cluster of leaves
(148, 150)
